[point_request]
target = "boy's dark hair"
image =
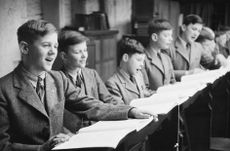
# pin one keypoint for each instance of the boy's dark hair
(219, 33)
(32, 29)
(158, 25)
(206, 34)
(224, 28)
(192, 19)
(69, 36)
(129, 46)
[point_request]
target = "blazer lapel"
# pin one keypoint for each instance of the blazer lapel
(127, 83)
(88, 82)
(182, 50)
(193, 54)
(28, 94)
(51, 96)
(140, 86)
(155, 61)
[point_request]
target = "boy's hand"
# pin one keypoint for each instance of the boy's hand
(141, 114)
(53, 141)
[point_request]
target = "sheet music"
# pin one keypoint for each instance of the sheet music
(104, 134)
(205, 77)
(94, 139)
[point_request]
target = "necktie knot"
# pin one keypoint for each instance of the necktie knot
(188, 45)
(159, 55)
(132, 78)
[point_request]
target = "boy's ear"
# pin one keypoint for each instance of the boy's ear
(62, 54)
(154, 37)
(24, 47)
(183, 27)
(125, 57)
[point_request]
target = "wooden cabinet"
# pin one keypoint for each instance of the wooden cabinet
(102, 50)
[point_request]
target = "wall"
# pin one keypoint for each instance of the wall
(170, 10)
(12, 14)
(119, 13)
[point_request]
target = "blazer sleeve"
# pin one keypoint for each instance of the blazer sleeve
(177, 73)
(91, 108)
(114, 90)
(5, 143)
(104, 94)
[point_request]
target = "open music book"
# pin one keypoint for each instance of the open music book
(104, 134)
(168, 96)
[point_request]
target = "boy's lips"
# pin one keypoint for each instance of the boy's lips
(49, 59)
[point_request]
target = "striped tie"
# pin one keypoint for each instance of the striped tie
(40, 88)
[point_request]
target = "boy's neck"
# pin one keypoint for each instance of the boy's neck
(153, 46)
(31, 71)
(183, 37)
(124, 67)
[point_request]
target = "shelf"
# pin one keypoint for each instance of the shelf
(100, 33)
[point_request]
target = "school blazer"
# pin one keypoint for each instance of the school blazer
(94, 87)
(25, 123)
(122, 88)
(154, 75)
(180, 61)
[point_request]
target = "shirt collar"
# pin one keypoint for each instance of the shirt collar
(153, 52)
(124, 73)
(73, 76)
(31, 77)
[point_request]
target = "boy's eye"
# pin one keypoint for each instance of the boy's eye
(80, 51)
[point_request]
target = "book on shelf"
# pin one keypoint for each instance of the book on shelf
(103, 134)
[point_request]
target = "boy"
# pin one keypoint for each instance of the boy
(186, 54)
(158, 69)
(206, 39)
(73, 53)
(127, 82)
(32, 97)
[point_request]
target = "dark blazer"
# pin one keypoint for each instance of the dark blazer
(154, 74)
(94, 87)
(121, 87)
(26, 123)
(182, 63)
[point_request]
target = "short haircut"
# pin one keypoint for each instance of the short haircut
(69, 36)
(158, 25)
(129, 46)
(219, 33)
(192, 19)
(224, 28)
(206, 34)
(33, 29)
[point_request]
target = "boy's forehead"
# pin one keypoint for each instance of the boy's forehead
(136, 55)
(165, 31)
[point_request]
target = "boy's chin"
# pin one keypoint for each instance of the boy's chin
(47, 68)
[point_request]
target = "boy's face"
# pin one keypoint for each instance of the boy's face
(165, 39)
(76, 56)
(221, 40)
(209, 45)
(42, 53)
(191, 32)
(135, 63)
